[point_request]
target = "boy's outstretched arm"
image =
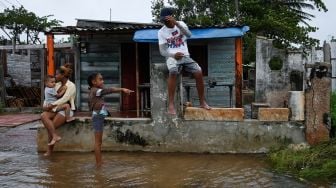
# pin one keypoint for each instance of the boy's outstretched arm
(115, 90)
(124, 90)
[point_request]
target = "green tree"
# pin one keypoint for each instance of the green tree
(282, 20)
(16, 21)
(197, 12)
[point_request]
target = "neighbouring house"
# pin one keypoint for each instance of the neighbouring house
(22, 73)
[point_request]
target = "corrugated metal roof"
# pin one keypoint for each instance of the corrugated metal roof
(95, 26)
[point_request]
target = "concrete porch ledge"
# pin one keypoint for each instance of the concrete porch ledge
(215, 114)
(176, 135)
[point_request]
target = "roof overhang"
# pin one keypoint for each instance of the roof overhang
(151, 35)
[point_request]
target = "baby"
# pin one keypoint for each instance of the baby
(51, 95)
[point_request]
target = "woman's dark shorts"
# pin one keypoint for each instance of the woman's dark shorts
(98, 122)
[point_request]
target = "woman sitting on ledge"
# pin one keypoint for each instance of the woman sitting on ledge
(52, 120)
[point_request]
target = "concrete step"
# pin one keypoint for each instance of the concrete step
(255, 108)
(216, 114)
(273, 114)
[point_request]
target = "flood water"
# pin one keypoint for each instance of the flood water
(22, 166)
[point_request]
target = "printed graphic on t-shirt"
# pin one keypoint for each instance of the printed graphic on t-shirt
(175, 41)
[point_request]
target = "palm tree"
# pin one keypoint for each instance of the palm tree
(297, 7)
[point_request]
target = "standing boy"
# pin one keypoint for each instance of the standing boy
(98, 108)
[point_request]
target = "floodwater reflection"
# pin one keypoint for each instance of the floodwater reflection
(156, 169)
(22, 166)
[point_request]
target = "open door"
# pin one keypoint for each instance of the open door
(128, 75)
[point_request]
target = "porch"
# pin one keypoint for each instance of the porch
(176, 135)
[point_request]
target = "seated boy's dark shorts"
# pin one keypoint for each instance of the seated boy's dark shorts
(98, 122)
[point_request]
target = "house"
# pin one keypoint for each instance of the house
(127, 55)
(124, 52)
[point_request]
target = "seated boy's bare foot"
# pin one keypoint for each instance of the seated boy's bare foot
(46, 154)
(53, 141)
(171, 111)
(70, 119)
(99, 165)
(206, 106)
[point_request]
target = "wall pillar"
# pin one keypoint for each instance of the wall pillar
(333, 63)
(317, 104)
(159, 92)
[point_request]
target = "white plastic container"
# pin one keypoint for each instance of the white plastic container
(296, 104)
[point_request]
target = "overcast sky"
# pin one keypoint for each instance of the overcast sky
(138, 11)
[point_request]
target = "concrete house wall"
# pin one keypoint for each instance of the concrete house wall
(272, 86)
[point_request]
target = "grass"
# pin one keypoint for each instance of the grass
(314, 163)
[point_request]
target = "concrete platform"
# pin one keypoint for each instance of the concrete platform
(215, 114)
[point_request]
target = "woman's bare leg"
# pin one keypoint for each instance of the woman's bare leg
(58, 121)
(47, 153)
(46, 118)
(67, 110)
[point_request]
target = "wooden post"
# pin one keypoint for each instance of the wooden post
(239, 71)
(77, 75)
(137, 79)
(43, 70)
(4, 62)
(50, 49)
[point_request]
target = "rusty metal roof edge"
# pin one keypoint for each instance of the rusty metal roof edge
(112, 26)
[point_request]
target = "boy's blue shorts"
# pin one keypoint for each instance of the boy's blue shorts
(98, 122)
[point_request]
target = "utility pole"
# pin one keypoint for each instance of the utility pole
(237, 10)
(110, 13)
